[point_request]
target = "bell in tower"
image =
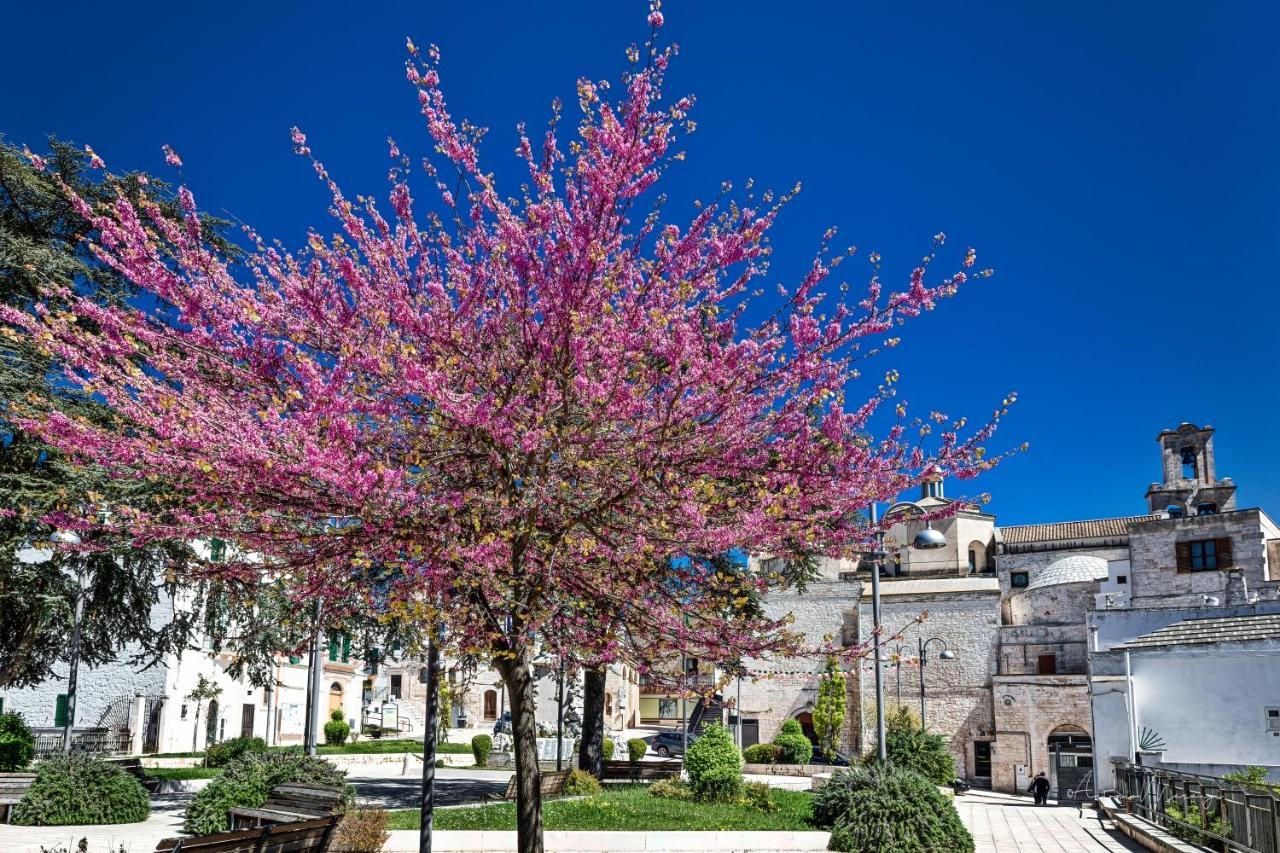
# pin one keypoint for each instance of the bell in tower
(1190, 485)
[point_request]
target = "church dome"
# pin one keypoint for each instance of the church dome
(1074, 569)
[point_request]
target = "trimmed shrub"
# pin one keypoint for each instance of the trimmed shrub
(607, 748)
(671, 789)
(714, 765)
(481, 746)
(882, 807)
(222, 754)
(361, 831)
(793, 749)
(581, 784)
(636, 749)
(762, 753)
(791, 727)
(17, 744)
(246, 782)
(75, 789)
(911, 747)
(336, 730)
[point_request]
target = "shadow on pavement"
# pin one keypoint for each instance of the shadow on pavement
(406, 792)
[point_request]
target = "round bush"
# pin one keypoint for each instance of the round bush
(248, 780)
(607, 748)
(222, 754)
(75, 789)
(793, 749)
(336, 730)
(762, 753)
(636, 749)
(481, 746)
(17, 744)
(882, 807)
(714, 765)
(791, 727)
(581, 784)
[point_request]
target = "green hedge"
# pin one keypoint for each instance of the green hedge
(481, 746)
(636, 749)
(762, 753)
(882, 807)
(222, 754)
(17, 744)
(74, 789)
(246, 782)
(910, 746)
(336, 731)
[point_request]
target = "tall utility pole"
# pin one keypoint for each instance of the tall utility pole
(881, 748)
(560, 717)
(315, 674)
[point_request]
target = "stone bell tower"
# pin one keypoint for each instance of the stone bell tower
(1190, 485)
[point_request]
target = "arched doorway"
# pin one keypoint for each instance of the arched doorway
(1071, 763)
(491, 704)
(805, 719)
(211, 724)
(335, 697)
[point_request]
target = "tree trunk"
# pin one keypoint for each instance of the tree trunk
(591, 746)
(518, 676)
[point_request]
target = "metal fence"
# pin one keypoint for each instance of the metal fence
(1204, 810)
(95, 741)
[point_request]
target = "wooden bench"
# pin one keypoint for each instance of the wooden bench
(133, 766)
(641, 771)
(288, 803)
(12, 788)
(307, 835)
(552, 785)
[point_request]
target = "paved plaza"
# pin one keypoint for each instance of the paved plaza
(1001, 823)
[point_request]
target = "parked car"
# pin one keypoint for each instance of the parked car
(668, 744)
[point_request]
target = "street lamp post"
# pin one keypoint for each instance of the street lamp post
(926, 540)
(70, 537)
(945, 654)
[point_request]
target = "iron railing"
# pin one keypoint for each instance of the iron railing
(95, 741)
(1205, 810)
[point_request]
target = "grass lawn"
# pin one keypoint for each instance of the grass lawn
(627, 807)
(183, 772)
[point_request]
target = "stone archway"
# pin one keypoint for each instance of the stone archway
(335, 697)
(1070, 763)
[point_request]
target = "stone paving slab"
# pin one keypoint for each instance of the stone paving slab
(1001, 823)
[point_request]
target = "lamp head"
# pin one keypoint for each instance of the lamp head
(947, 654)
(929, 539)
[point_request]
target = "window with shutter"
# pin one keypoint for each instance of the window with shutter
(1225, 554)
(217, 551)
(295, 660)
(60, 710)
(333, 646)
(1182, 551)
(346, 647)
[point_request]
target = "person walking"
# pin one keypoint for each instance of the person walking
(1040, 788)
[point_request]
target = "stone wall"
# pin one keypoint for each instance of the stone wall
(957, 696)
(1027, 710)
(1154, 572)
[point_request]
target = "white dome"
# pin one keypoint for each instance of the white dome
(1074, 569)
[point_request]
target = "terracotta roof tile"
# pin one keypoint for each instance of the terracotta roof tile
(1099, 528)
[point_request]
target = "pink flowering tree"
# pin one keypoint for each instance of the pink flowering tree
(517, 411)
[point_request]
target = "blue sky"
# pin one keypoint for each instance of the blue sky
(1115, 162)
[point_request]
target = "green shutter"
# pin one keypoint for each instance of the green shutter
(1, 704)
(217, 551)
(333, 646)
(346, 647)
(295, 660)
(60, 710)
